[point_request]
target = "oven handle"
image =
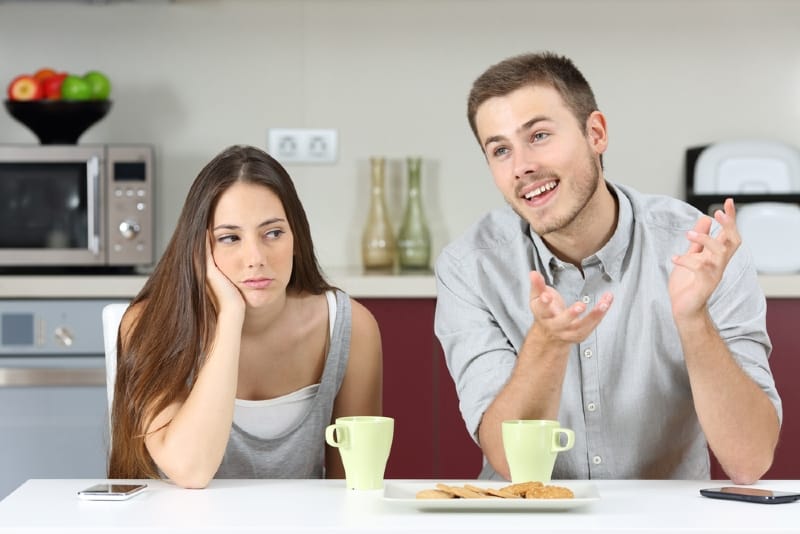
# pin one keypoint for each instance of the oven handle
(35, 377)
(93, 201)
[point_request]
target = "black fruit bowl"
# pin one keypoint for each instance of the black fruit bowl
(58, 122)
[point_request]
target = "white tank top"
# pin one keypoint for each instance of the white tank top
(269, 418)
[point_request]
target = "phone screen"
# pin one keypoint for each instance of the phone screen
(751, 494)
(111, 492)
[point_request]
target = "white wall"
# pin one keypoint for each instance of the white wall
(194, 76)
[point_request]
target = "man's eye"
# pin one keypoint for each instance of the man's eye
(500, 151)
(540, 136)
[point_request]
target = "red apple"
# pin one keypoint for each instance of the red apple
(24, 87)
(43, 73)
(52, 86)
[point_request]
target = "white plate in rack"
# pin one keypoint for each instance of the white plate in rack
(749, 167)
(403, 493)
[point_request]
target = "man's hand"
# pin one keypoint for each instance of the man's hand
(559, 323)
(698, 272)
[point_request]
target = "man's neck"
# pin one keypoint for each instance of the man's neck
(589, 231)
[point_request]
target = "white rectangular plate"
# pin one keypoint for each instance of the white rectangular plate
(404, 493)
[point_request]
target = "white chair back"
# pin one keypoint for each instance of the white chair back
(112, 315)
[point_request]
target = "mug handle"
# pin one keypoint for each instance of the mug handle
(331, 435)
(557, 442)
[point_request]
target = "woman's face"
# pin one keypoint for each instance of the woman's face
(252, 242)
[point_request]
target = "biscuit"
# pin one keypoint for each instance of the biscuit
(549, 492)
(464, 493)
(434, 494)
(522, 488)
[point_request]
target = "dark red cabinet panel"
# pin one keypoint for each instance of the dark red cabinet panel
(783, 321)
(431, 440)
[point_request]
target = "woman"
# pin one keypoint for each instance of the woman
(237, 353)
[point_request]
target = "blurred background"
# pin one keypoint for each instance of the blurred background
(391, 77)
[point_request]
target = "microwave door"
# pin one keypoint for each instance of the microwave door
(50, 213)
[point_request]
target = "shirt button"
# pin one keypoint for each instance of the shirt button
(588, 353)
(597, 460)
(591, 406)
(586, 299)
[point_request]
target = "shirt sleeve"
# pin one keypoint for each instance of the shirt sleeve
(738, 309)
(479, 355)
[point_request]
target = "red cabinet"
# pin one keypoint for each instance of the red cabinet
(783, 320)
(430, 438)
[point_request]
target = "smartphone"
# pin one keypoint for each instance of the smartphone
(111, 492)
(763, 496)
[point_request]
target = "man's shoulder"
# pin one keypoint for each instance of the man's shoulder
(493, 233)
(660, 211)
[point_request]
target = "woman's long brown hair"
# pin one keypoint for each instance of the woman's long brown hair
(161, 355)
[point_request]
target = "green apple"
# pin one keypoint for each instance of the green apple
(75, 88)
(99, 84)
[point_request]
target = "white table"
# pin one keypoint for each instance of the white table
(232, 506)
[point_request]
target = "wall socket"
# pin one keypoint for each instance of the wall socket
(303, 145)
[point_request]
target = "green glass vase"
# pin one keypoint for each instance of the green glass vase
(414, 238)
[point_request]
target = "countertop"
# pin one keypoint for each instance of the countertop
(232, 506)
(352, 280)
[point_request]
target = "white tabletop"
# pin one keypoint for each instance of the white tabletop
(231, 506)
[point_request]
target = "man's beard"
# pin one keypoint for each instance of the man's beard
(580, 193)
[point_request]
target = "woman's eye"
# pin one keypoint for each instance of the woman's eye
(227, 238)
(274, 234)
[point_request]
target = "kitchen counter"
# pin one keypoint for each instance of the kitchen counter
(352, 280)
(230, 506)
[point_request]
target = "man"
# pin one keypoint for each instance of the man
(678, 362)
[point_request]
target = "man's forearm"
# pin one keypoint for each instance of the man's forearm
(532, 392)
(737, 417)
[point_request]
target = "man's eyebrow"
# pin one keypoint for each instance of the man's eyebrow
(526, 126)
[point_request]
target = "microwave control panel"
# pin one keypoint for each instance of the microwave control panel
(131, 236)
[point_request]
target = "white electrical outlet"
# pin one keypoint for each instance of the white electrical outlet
(303, 145)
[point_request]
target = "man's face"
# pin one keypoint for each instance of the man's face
(546, 165)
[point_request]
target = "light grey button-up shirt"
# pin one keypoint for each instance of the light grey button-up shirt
(626, 391)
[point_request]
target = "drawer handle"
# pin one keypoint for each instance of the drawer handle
(17, 377)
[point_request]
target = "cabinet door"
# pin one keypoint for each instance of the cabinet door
(783, 317)
(408, 382)
(457, 455)
(430, 438)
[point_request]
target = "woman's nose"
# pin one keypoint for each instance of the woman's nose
(256, 256)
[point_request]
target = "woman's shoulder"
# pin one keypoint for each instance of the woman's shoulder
(363, 322)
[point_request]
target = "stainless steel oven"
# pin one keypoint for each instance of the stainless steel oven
(53, 403)
(69, 207)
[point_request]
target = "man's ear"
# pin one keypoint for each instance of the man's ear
(596, 132)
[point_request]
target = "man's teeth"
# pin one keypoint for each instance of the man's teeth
(539, 190)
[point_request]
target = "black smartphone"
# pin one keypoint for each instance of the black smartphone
(111, 492)
(762, 496)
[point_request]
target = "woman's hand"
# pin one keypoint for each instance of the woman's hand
(223, 292)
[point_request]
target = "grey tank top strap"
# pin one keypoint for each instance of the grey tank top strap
(299, 452)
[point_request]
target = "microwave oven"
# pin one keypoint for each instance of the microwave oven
(72, 208)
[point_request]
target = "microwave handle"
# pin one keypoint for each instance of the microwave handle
(93, 200)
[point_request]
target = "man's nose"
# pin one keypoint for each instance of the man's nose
(525, 162)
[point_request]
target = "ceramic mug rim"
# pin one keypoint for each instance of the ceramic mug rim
(363, 419)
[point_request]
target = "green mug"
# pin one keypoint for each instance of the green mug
(364, 443)
(531, 447)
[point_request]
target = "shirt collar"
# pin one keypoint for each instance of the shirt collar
(611, 256)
